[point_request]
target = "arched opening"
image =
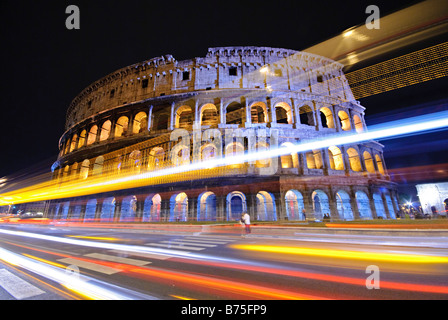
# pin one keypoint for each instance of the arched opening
(76, 213)
(235, 113)
(82, 139)
(128, 209)
(89, 215)
(289, 160)
(64, 211)
(379, 206)
(180, 155)
(379, 164)
(258, 112)
(208, 152)
(358, 123)
(353, 157)
(67, 146)
(121, 126)
(140, 123)
(209, 115)
(236, 205)
(362, 200)
(179, 207)
(344, 205)
(92, 135)
(65, 173)
(98, 166)
(184, 117)
(262, 163)
(336, 159)
(321, 204)
(235, 149)
(266, 210)
(74, 142)
(161, 121)
(207, 206)
(283, 113)
(84, 172)
(135, 161)
(368, 161)
(294, 205)
(314, 159)
(326, 117)
(108, 210)
(306, 115)
(156, 158)
(152, 208)
(105, 130)
(74, 171)
(345, 120)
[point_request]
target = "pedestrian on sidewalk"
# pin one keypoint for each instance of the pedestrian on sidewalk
(245, 219)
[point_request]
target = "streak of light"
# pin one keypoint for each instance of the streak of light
(392, 285)
(95, 238)
(55, 264)
(237, 265)
(200, 170)
(46, 284)
(415, 23)
(181, 298)
(345, 254)
(85, 286)
(387, 226)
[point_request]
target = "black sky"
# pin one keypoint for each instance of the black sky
(44, 65)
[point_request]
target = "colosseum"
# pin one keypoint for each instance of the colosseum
(238, 99)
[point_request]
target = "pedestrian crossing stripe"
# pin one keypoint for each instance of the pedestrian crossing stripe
(189, 243)
(17, 287)
(173, 246)
(101, 256)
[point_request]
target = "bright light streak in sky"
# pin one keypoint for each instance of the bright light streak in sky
(389, 130)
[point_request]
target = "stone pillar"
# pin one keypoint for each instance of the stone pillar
(98, 209)
(192, 209)
(117, 213)
(372, 204)
(354, 204)
(165, 210)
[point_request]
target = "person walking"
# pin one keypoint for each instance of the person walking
(245, 218)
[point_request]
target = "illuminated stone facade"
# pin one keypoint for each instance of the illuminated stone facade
(246, 95)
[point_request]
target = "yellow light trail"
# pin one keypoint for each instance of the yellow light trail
(344, 254)
(95, 238)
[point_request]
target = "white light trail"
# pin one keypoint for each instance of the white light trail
(390, 130)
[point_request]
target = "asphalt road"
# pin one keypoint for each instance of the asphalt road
(61, 263)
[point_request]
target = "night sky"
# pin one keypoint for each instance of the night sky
(45, 65)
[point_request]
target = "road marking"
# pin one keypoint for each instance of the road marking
(209, 238)
(144, 255)
(206, 241)
(17, 287)
(173, 247)
(192, 244)
(91, 266)
(107, 257)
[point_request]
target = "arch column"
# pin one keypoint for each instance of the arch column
(354, 204)
(334, 213)
(372, 203)
(308, 204)
(192, 208)
(117, 212)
